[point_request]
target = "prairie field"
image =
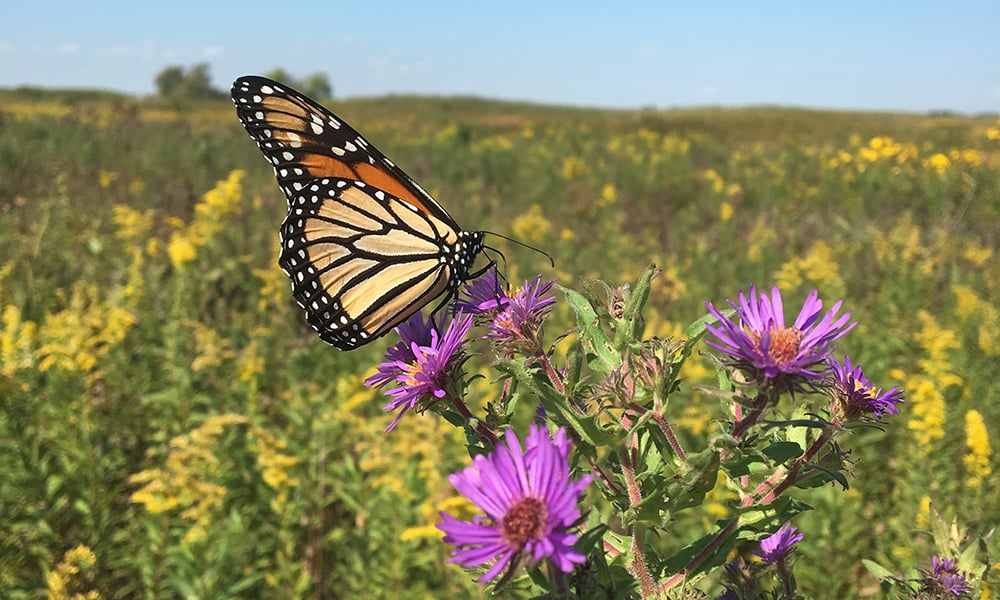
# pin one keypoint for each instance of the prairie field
(173, 428)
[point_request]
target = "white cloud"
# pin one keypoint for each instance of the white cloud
(212, 51)
(68, 48)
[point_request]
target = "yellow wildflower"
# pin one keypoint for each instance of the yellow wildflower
(251, 363)
(734, 191)
(186, 479)
(181, 250)
(972, 157)
(713, 177)
(531, 225)
(977, 442)
(133, 225)
(273, 288)
(977, 254)
(938, 162)
(725, 211)
(926, 392)
(106, 178)
(209, 218)
(76, 338)
(17, 341)
(421, 532)
(817, 266)
(924, 512)
(868, 154)
(573, 167)
(927, 408)
(274, 465)
(967, 302)
(608, 195)
(993, 133)
(73, 575)
(213, 349)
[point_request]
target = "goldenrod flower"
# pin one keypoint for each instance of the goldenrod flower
(608, 194)
(531, 225)
(73, 575)
(725, 212)
(938, 162)
(106, 178)
(977, 442)
(572, 167)
(181, 250)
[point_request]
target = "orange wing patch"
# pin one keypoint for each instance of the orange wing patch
(380, 178)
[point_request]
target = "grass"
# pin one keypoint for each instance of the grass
(163, 401)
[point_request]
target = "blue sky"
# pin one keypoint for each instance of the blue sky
(890, 55)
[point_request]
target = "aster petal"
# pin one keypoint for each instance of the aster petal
(777, 308)
(500, 565)
(810, 310)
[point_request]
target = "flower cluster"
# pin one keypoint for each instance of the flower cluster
(511, 320)
(527, 494)
(424, 363)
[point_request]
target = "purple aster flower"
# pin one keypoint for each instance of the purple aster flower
(740, 581)
(944, 577)
(759, 341)
(775, 548)
(522, 318)
(530, 503)
(423, 363)
(855, 395)
(484, 296)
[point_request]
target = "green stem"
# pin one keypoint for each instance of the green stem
(484, 431)
(702, 556)
(637, 558)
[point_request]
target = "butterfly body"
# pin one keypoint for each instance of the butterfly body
(364, 245)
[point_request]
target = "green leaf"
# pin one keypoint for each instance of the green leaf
(697, 329)
(632, 317)
(557, 405)
(877, 570)
(605, 358)
(780, 452)
(678, 561)
(694, 479)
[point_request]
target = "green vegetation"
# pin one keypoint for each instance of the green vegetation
(173, 428)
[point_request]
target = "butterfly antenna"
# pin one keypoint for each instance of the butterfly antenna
(552, 261)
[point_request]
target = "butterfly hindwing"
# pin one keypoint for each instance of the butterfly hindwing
(343, 247)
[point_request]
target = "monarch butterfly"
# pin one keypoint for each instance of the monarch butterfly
(364, 245)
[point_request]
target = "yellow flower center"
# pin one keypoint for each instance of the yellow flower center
(784, 344)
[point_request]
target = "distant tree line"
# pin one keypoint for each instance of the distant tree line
(195, 83)
(316, 86)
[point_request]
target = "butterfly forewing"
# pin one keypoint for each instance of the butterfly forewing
(364, 245)
(304, 141)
